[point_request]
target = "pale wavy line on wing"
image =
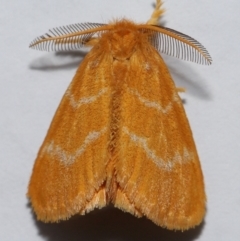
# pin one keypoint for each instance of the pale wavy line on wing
(167, 165)
(67, 158)
(153, 104)
(85, 100)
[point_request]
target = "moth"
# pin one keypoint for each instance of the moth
(120, 134)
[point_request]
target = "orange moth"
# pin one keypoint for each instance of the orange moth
(120, 134)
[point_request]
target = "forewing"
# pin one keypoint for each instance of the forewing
(158, 170)
(70, 167)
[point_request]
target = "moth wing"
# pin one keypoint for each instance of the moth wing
(69, 170)
(158, 172)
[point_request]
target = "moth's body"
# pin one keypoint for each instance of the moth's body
(120, 135)
(120, 64)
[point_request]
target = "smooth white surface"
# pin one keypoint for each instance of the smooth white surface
(32, 84)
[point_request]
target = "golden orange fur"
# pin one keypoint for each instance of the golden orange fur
(120, 135)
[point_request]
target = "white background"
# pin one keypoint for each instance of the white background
(32, 84)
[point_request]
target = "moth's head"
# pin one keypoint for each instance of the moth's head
(123, 40)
